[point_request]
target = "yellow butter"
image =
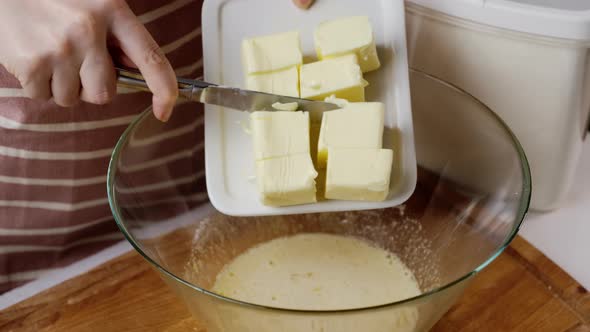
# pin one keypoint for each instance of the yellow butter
(348, 35)
(286, 107)
(279, 134)
(358, 174)
(283, 82)
(355, 126)
(336, 101)
(340, 76)
(286, 180)
(271, 52)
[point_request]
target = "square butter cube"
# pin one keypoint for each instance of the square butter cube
(286, 180)
(358, 174)
(348, 35)
(271, 52)
(355, 126)
(284, 82)
(339, 76)
(279, 134)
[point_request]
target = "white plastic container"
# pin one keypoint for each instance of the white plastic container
(228, 149)
(528, 60)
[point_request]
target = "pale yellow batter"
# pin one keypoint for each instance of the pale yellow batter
(317, 272)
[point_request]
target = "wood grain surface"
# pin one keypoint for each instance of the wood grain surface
(521, 291)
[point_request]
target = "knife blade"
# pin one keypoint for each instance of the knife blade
(228, 97)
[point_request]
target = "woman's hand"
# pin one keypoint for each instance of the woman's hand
(60, 49)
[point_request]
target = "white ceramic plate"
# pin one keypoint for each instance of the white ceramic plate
(228, 148)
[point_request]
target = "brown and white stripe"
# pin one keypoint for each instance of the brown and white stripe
(53, 161)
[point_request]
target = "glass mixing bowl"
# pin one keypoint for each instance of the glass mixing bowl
(472, 194)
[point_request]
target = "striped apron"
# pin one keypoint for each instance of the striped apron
(53, 161)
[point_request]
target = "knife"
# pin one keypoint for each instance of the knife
(238, 99)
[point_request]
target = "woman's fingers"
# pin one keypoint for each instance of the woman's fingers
(38, 88)
(98, 79)
(121, 58)
(65, 84)
(303, 4)
(136, 42)
(65, 53)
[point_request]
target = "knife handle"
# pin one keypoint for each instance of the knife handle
(134, 80)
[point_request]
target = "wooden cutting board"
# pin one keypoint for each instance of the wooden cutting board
(521, 291)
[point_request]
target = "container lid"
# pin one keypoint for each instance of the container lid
(569, 19)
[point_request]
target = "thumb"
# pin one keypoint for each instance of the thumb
(303, 4)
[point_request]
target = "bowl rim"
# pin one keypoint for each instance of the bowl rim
(523, 208)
